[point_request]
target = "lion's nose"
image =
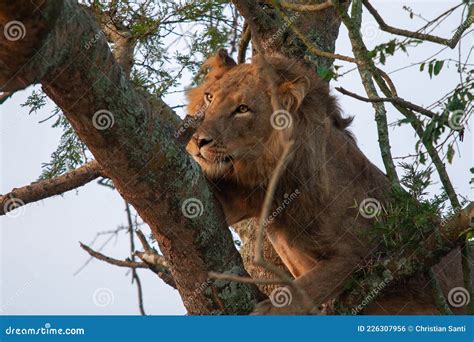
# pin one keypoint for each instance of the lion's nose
(202, 140)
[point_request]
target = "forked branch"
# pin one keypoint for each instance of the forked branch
(452, 42)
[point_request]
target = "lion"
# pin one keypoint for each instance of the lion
(316, 226)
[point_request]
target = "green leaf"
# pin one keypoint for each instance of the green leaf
(437, 67)
(430, 70)
(422, 158)
(390, 47)
(382, 57)
(372, 54)
(325, 73)
(450, 154)
(422, 66)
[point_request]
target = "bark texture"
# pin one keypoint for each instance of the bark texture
(132, 140)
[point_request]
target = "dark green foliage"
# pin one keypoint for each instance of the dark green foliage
(327, 74)
(389, 48)
(434, 67)
(174, 37)
(405, 221)
(409, 216)
(71, 152)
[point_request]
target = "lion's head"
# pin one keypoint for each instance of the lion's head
(240, 138)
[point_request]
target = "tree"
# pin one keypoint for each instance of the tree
(113, 109)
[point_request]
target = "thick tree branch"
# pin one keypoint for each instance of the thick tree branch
(314, 49)
(244, 43)
(124, 42)
(133, 143)
(50, 187)
(430, 149)
(155, 261)
(155, 264)
(305, 7)
(4, 96)
(277, 34)
(365, 70)
(423, 36)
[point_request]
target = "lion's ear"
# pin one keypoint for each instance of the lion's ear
(294, 92)
(217, 65)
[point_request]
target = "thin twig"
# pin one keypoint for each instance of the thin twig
(422, 36)
(146, 246)
(135, 276)
(111, 233)
(397, 100)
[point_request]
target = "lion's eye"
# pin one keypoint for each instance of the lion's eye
(242, 109)
(208, 97)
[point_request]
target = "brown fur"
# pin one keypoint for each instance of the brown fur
(318, 233)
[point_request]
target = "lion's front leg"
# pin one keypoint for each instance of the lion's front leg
(324, 282)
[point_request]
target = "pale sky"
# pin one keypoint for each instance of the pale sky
(39, 250)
